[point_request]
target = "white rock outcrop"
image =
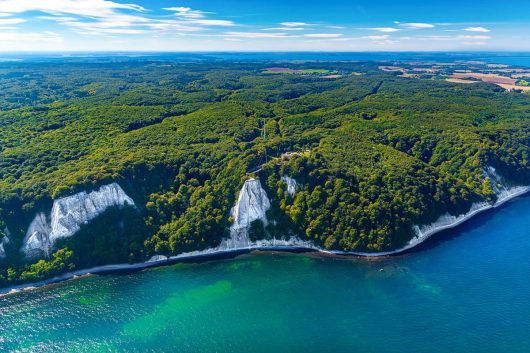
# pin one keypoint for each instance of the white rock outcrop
(503, 191)
(67, 216)
(447, 221)
(157, 258)
(291, 184)
(252, 204)
(4, 240)
(498, 184)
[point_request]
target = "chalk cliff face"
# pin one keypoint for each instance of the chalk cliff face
(38, 238)
(502, 189)
(498, 184)
(447, 221)
(67, 216)
(252, 204)
(4, 240)
(291, 184)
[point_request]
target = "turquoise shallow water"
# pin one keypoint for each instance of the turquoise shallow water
(469, 291)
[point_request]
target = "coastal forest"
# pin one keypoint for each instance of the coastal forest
(374, 153)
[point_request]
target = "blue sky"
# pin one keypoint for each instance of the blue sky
(272, 25)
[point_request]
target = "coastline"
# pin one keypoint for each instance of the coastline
(291, 245)
(510, 194)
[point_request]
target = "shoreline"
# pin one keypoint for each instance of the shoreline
(212, 254)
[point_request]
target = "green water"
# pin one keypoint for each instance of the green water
(469, 292)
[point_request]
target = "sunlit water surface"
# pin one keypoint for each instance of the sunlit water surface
(467, 292)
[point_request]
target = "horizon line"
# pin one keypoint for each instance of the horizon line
(266, 52)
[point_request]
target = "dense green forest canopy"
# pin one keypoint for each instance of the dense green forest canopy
(377, 152)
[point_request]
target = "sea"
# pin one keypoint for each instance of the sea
(520, 59)
(464, 290)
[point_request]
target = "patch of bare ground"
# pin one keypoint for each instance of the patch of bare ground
(392, 69)
(515, 88)
(459, 80)
(283, 70)
(491, 78)
(426, 69)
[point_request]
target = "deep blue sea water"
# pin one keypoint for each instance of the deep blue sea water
(509, 58)
(468, 290)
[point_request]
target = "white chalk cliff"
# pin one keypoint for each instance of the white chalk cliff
(252, 205)
(67, 216)
(291, 184)
(4, 240)
(503, 191)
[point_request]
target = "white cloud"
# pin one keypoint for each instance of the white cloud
(56, 18)
(473, 37)
(186, 28)
(467, 38)
(387, 42)
(323, 35)
(254, 35)
(103, 31)
(30, 37)
(284, 29)
(11, 21)
(186, 12)
(290, 26)
(83, 16)
(343, 39)
(91, 8)
(475, 43)
(112, 24)
(436, 38)
(112, 19)
(295, 24)
(385, 29)
(179, 26)
(381, 37)
(477, 29)
(197, 17)
(415, 25)
(214, 23)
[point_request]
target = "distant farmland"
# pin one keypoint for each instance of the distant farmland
(285, 70)
(503, 81)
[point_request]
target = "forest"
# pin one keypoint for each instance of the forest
(375, 153)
